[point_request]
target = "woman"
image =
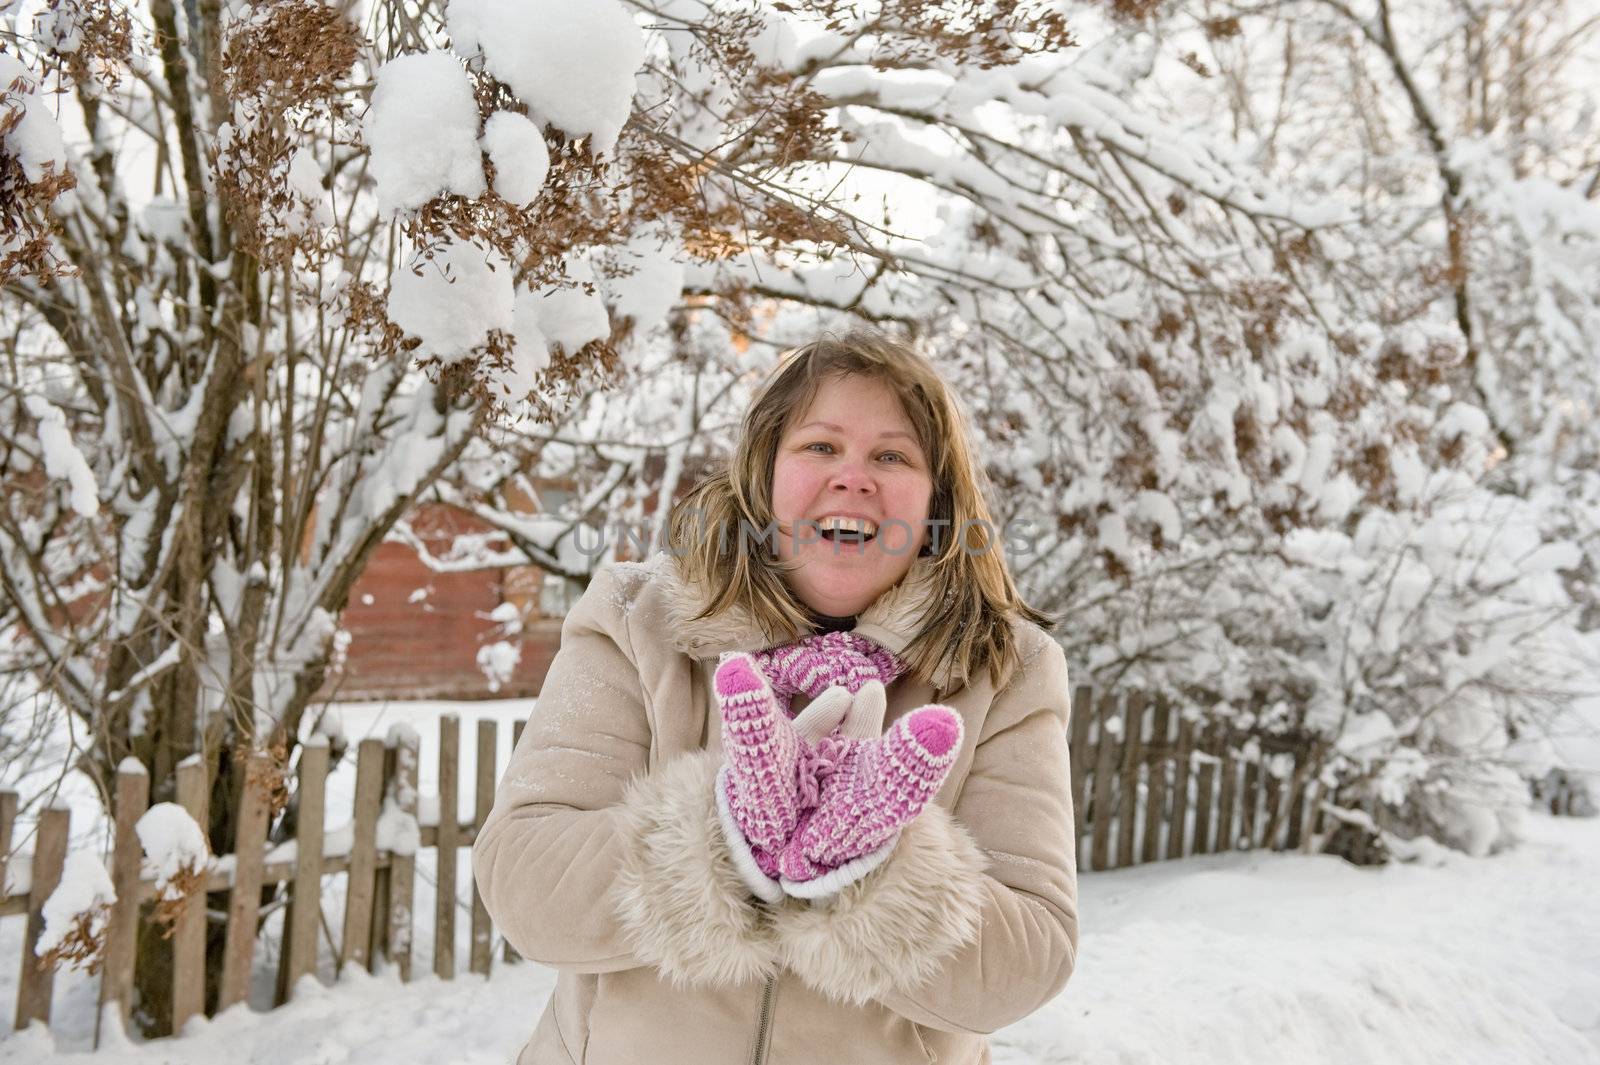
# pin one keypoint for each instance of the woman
(714, 895)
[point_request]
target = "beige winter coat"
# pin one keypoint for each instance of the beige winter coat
(604, 858)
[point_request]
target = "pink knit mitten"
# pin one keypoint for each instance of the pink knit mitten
(757, 793)
(869, 790)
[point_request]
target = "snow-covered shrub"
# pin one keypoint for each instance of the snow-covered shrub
(1224, 357)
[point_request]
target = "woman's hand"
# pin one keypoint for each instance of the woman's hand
(762, 750)
(868, 790)
(829, 788)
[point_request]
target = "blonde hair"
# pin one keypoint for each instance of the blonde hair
(971, 628)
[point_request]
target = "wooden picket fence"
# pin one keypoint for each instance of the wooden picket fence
(377, 922)
(1149, 784)
(1567, 793)
(1136, 770)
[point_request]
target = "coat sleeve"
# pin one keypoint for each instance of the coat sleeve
(579, 817)
(972, 923)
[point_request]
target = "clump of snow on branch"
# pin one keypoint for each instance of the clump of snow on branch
(498, 661)
(77, 912)
(508, 616)
(451, 299)
(173, 844)
(62, 459)
(644, 280)
(305, 182)
(573, 315)
(36, 181)
(422, 130)
(520, 156)
(530, 352)
(571, 61)
(35, 139)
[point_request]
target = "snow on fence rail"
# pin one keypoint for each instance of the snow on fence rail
(1145, 787)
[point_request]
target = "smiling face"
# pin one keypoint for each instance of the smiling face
(851, 454)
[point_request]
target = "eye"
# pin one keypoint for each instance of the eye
(816, 444)
(894, 456)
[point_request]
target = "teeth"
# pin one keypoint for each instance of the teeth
(860, 526)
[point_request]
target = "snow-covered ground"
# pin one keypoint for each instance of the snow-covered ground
(1232, 958)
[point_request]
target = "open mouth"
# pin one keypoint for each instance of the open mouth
(857, 531)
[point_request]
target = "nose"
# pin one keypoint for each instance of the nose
(853, 478)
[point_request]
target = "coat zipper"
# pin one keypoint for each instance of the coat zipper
(766, 1020)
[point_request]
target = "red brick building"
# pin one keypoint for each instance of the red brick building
(416, 632)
